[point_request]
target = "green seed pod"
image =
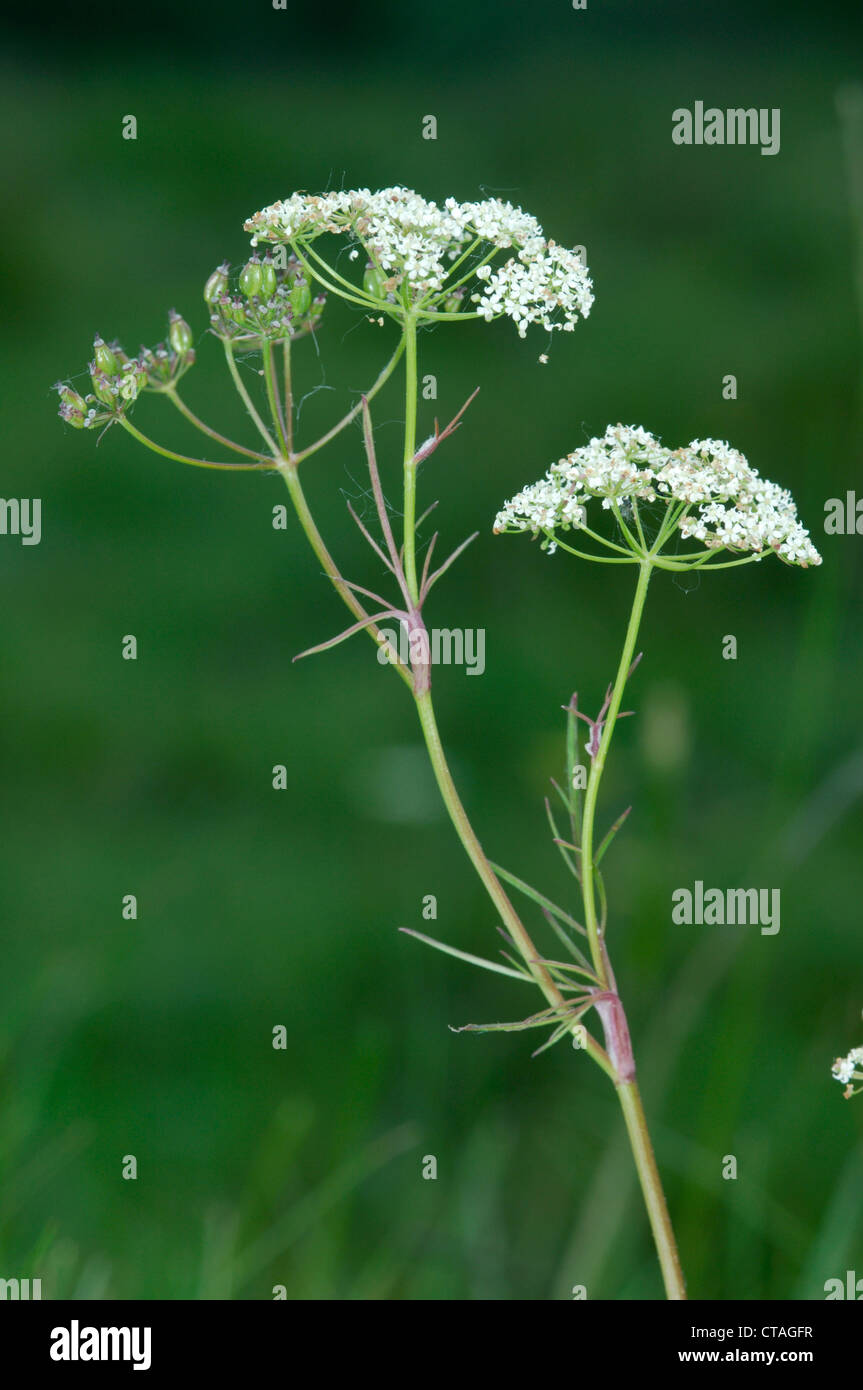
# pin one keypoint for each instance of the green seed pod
(73, 408)
(179, 333)
(251, 277)
(374, 280)
(268, 277)
(102, 385)
(70, 398)
(104, 357)
(300, 298)
(235, 312)
(217, 284)
(452, 303)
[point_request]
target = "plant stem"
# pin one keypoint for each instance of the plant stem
(289, 395)
(431, 734)
(490, 881)
(352, 414)
(651, 1187)
(199, 424)
(290, 473)
(410, 472)
(273, 399)
(626, 1086)
(185, 458)
(597, 948)
(247, 400)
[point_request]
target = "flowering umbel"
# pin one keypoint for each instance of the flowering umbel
(435, 261)
(711, 493)
(849, 1069)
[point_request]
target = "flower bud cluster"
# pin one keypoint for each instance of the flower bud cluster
(117, 379)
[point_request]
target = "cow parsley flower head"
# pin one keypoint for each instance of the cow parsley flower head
(434, 260)
(712, 495)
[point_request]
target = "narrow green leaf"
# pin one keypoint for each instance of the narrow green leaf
(540, 1020)
(539, 898)
(560, 842)
(611, 834)
(603, 901)
(471, 960)
(571, 764)
(561, 1032)
(561, 793)
(566, 939)
(565, 965)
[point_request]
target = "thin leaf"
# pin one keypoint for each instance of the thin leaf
(566, 940)
(565, 965)
(426, 513)
(562, 1032)
(471, 960)
(561, 793)
(539, 898)
(571, 764)
(603, 901)
(611, 834)
(446, 564)
(540, 1020)
(371, 540)
(348, 632)
(560, 842)
(512, 960)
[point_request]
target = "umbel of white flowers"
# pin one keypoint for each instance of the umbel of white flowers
(717, 497)
(435, 261)
(848, 1069)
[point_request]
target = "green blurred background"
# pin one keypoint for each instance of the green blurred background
(256, 908)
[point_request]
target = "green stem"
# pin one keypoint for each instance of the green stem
(410, 471)
(273, 398)
(247, 400)
(651, 1187)
(490, 881)
(185, 458)
(596, 770)
(352, 414)
(290, 473)
(626, 1087)
(289, 395)
(193, 419)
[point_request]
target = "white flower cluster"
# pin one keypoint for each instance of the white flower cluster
(727, 505)
(415, 242)
(849, 1068)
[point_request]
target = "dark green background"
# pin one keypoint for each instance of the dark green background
(257, 908)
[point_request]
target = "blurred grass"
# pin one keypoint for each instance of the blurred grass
(258, 908)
